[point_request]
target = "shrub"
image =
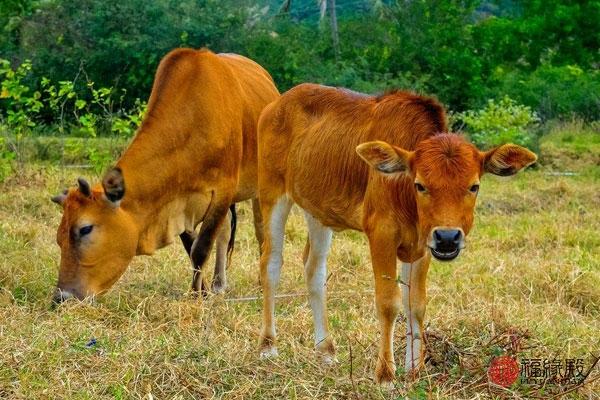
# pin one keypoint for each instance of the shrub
(503, 121)
(6, 160)
(81, 107)
(22, 105)
(556, 92)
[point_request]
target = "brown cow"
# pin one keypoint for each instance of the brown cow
(410, 188)
(193, 156)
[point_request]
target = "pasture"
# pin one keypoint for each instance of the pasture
(528, 281)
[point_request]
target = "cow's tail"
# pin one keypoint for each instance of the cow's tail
(231, 243)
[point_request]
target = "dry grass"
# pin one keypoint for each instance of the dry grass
(531, 270)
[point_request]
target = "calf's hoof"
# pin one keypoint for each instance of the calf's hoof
(385, 373)
(269, 352)
(326, 352)
(268, 349)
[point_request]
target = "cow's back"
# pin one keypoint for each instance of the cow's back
(203, 110)
(256, 91)
(309, 136)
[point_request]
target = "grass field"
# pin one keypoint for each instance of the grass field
(529, 280)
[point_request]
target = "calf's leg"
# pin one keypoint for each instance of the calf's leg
(414, 299)
(315, 273)
(275, 213)
(258, 224)
(387, 301)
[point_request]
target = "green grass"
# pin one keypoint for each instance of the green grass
(531, 270)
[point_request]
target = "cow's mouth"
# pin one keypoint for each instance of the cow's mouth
(444, 256)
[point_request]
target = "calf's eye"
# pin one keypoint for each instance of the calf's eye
(474, 189)
(420, 188)
(85, 230)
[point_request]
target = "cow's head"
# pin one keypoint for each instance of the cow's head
(445, 170)
(97, 238)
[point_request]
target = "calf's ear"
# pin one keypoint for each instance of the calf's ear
(385, 158)
(507, 159)
(114, 185)
(60, 198)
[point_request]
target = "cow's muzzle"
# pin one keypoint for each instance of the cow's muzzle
(446, 243)
(61, 295)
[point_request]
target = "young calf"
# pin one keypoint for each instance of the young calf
(410, 188)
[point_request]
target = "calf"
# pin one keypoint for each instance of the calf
(193, 156)
(381, 165)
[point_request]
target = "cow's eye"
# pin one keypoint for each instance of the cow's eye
(474, 188)
(85, 230)
(420, 188)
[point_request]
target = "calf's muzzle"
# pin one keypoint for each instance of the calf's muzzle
(446, 243)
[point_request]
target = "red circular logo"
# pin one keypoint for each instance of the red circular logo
(503, 371)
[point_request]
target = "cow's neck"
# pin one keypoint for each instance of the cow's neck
(158, 195)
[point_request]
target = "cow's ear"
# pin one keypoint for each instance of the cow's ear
(384, 157)
(507, 159)
(114, 185)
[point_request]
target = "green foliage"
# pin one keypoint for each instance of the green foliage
(23, 105)
(556, 91)
(503, 121)
(540, 53)
(90, 111)
(6, 160)
(99, 159)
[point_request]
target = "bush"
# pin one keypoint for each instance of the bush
(86, 112)
(503, 121)
(6, 159)
(556, 92)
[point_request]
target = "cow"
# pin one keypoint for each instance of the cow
(193, 156)
(382, 165)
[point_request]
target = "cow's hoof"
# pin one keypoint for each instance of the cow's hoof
(218, 287)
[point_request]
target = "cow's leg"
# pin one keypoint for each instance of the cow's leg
(275, 213)
(315, 273)
(414, 277)
(219, 281)
(258, 224)
(221, 261)
(187, 239)
(387, 301)
(213, 220)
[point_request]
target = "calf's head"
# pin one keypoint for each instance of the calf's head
(445, 171)
(97, 238)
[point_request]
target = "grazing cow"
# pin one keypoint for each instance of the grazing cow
(192, 158)
(411, 188)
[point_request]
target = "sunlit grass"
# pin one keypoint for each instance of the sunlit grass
(532, 264)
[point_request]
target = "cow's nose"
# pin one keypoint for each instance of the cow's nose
(61, 295)
(447, 240)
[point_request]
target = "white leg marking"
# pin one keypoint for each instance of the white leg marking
(315, 274)
(277, 222)
(413, 330)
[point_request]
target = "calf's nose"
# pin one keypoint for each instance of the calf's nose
(447, 240)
